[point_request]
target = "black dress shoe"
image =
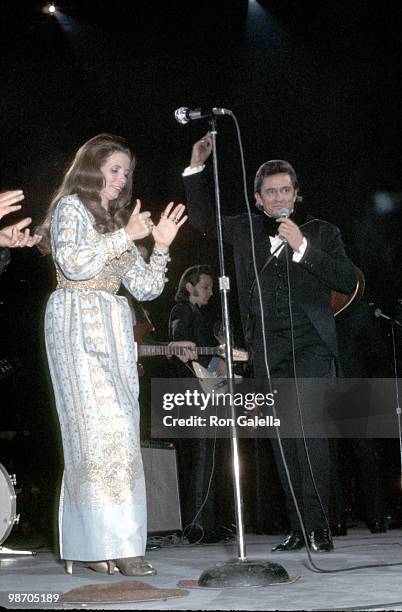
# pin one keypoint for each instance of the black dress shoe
(320, 540)
(293, 541)
(377, 526)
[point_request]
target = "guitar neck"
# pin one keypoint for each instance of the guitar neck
(154, 350)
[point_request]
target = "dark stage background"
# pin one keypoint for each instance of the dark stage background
(312, 82)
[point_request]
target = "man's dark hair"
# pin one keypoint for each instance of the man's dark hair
(191, 275)
(274, 166)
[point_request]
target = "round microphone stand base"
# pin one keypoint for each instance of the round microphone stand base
(246, 573)
(9, 552)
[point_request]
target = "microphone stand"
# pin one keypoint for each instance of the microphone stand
(398, 411)
(240, 572)
(398, 406)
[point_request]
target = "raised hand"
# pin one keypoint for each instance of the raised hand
(140, 223)
(170, 222)
(18, 235)
(8, 201)
(201, 151)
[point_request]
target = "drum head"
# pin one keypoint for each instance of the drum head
(7, 505)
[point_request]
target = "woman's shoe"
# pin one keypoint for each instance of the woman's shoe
(135, 566)
(105, 567)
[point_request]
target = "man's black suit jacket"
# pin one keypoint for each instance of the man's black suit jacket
(324, 266)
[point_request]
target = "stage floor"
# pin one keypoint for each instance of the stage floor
(378, 588)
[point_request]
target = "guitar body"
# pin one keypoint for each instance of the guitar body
(341, 301)
(212, 381)
(209, 381)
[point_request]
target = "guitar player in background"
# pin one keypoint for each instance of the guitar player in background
(204, 464)
(300, 259)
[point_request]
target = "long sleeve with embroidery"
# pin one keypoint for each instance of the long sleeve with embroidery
(101, 261)
(79, 250)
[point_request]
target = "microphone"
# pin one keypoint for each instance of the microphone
(379, 313)
(183, 114)
(283, 213)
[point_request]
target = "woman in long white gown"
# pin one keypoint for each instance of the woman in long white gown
(91, 353)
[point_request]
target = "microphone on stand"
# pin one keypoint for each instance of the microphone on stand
(183, 114)
(379, 313)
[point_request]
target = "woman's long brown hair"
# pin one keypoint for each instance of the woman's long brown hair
(84, 178)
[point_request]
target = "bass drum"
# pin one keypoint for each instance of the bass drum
(8, 505)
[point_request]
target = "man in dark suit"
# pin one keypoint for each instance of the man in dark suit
(306, 261)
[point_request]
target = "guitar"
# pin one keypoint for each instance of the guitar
(340, 301)
(150, 350)
(210, 381)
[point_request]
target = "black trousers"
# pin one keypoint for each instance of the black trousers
(206, 488)
(303, 456)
